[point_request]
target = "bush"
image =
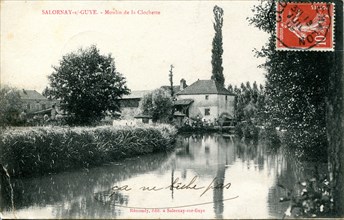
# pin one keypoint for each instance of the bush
(271, 137)
(42, 150)
(310, 199)
(247, 130)
(239, 130)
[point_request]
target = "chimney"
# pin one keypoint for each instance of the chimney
(182, 84)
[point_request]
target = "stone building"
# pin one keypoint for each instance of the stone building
(129, 104)
(206, 100)
(33, 101)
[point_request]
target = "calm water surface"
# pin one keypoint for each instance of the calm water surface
(250, 174)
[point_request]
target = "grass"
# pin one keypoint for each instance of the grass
(42, 150)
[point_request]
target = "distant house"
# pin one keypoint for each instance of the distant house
(203, 99)
(129, 104)
(34, 102)
(206, 100)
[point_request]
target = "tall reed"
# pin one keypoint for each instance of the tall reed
(42, 150)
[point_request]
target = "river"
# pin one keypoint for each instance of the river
(206, 176)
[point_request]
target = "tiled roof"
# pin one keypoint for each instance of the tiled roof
(138, 94)
(204, 87)
(31, 94)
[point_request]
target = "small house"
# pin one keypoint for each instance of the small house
(206, 100)
(34, 102)
(129, 104)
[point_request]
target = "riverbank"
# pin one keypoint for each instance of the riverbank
(32, 151)
(206, 129)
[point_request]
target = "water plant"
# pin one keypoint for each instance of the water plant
(309, 199)
(41, 150)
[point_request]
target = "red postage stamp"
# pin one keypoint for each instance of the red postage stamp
(305, 26)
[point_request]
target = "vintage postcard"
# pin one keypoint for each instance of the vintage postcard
(171, 109)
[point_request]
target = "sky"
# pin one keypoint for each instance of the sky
(144, 46)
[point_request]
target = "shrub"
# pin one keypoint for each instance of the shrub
(238, 130)
(41, 150)
(247, 130)
(309, 199)
(271, 137)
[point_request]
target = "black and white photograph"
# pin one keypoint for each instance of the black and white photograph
(178, 109)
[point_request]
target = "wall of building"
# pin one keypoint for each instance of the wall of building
(129, 112)
(215, 104)
(200, 104)
(226, 105)
(129, 108)
(31, 105)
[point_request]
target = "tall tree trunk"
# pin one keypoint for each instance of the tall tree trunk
(335, 116)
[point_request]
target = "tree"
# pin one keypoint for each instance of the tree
(230, 88)
(305, 95)
(10, 106)
(248, 93)
(157, 104)
(217, 51)
(47, 93)
(87, 85)
(171, 81)
(171, 89)
(255, 92)
(248, 97)
(296, 85)
(335, 115)
(296, 90)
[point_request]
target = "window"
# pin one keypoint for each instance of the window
(207, 111)
(226, 98)
(206, 97)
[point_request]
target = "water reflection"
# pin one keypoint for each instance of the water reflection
(69, 195)
(252, 171)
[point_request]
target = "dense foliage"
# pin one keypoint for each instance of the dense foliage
(249, 102)
(305, 97)
(217, 51)
(87, 85)
(296, 86)
(157, 104)
(249, 108)
(310, 199)
(10, 107)
(42, 150)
